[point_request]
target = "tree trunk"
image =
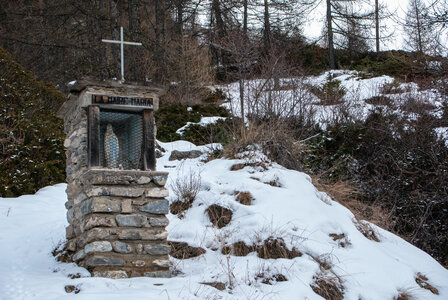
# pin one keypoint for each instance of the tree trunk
(377, 26)
(134, 35)
(419, 29)
(330, 36)
(267, 29)
(159, 51)
(245, 17)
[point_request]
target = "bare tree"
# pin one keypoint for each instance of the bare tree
(419, 34)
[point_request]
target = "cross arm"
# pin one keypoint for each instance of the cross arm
(119, 42)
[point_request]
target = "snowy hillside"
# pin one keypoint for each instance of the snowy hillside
(322, 240)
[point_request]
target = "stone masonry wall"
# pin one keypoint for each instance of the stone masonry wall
(117, 217)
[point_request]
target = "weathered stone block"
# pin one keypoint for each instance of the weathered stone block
(159, 222)
(79, 255)
(93, 234)
(157, 192)
(143, 180)
(111, 274)
(161, 263)
(69, 232)
(131, 220)
(115, 191)
(157, 249)
(99, 246)
(92, 221)
(139, 263)
(160, 180)
(159, 207)
(141, 234)
(97, 261)
(121, 247)
(126, 206)
(97, 205)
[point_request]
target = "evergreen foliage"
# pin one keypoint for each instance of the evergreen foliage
(31, 138)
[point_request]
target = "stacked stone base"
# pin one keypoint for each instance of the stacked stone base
(117, 223)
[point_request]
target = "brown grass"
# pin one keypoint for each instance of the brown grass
(244, 197)
(404, 296)
(266, 279)
(62, 254)
(341, 239)
(328, 287)
(367, 230)
(346, 194)
(178, 207)
(238, 249)
(181, 250)
(422, 281)
(276, 248)
(240, 166)
(218, 215)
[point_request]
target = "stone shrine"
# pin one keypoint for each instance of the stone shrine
(116, 198)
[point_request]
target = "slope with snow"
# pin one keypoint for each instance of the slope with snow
(33, 226)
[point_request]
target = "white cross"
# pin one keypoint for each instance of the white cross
(122, 43)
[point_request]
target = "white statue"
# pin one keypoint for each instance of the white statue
(111, 147)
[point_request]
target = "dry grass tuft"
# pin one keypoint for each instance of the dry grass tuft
(347, 195)
(404, 296)
(341, 239)
(218, 215)
(240, 166)
(274, 183)
(367, 230)
(422, 281)
(185, 189)
(328, 287)
(276, 248)
(61, 253)
(244, 197)
(178, 207)
(266, 279)
(238, 249)
(181, 250)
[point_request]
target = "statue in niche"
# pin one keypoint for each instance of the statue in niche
(111, 147)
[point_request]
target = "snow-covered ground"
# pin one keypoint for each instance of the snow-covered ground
(32, 226)
(294, 97)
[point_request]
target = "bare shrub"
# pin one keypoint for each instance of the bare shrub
(330, 93)
(181, 250)
(218, 215)
(379, 100)
(274, 138)
(185, 189)
(391, 88)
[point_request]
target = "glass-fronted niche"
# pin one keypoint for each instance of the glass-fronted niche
(121, 139)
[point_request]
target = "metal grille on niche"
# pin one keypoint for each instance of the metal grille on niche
(121, 139)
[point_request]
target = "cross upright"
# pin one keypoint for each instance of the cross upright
(122, 43)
